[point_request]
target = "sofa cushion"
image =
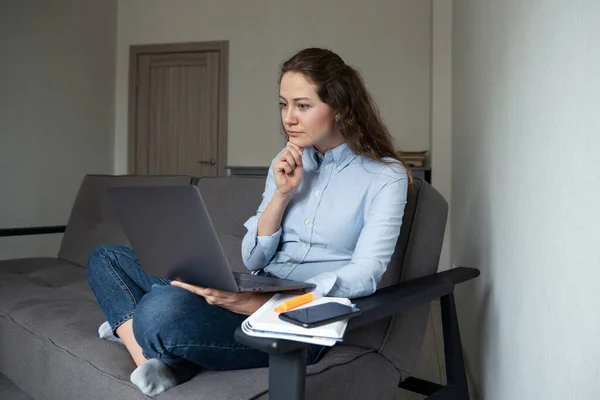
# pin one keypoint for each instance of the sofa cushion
(31, 280)
(48, 330)
(93, 221)
(50, 346)
(48, 369)
(321, 383)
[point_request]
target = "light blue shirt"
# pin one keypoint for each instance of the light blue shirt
(341, 227)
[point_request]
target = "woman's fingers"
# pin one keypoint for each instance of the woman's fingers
(218, 293)
(284, 167)
(290, 159)
(245, 303)
(192, 288)
(222, 300)
(288, 168)
(299, 149)
(202, 291)
(295, 152)
(212, 296)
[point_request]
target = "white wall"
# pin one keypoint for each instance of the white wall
(526, 194)
(389, 40)
(441, 118)
(56, 111)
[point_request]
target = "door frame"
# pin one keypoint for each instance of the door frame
(135, 51)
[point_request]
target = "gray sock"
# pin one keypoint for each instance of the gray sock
(155, 377)
(105, 332)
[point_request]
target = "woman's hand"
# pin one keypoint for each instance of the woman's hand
(240, 303)
(288, 171)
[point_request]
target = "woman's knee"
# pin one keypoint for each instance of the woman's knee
(106, 251)
(154, 306)
(97, 263)
(160, 313)
(101, 257)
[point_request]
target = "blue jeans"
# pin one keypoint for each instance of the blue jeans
(172, 324)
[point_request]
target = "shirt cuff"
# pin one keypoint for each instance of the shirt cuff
(324, 282)
(268, 244)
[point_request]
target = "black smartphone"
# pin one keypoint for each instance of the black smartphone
(310, 317)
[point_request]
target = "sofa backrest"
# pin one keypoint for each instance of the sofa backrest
(421, 243)
(93, 222)
(417, 254)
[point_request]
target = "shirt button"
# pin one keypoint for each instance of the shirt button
(327, 166)
(289, 265)
(307, 222)
(303, 245)
(339, 168)
(317, 192)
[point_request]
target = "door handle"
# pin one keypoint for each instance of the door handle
(211, 162)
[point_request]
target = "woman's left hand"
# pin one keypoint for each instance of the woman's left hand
(240, 303)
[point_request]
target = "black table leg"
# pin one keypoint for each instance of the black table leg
(287, 374)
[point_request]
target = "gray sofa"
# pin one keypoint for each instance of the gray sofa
(49, 318)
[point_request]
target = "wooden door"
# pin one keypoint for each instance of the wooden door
(178, 112)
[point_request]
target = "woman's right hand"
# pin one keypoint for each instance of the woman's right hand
(288, 171)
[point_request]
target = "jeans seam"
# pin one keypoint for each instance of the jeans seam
(117, 250)
(169, 348)
(120, 281)
(121, 320)
(165, 281)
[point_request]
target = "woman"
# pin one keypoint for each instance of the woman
(330, 214)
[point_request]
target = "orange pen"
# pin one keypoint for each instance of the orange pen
(297, 301)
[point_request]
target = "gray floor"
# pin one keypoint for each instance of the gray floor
(430, 365)
(8, 390)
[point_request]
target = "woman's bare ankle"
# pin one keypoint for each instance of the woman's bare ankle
(125, 332)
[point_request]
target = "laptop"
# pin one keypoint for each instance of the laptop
(172, 234)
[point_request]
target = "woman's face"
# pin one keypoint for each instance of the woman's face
(306, 119)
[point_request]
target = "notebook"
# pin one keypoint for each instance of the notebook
(265, 322)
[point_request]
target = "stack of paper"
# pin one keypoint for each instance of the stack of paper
(265, 322)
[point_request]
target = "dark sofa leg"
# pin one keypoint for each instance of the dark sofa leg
(287, 375)
(456, 387)
(456, 376)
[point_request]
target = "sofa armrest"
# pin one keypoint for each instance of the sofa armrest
(384, 303)
(392, 299)
(34, 230)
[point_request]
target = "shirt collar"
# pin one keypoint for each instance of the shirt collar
(341, 156)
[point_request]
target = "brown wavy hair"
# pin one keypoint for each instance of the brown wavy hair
(342, 88)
